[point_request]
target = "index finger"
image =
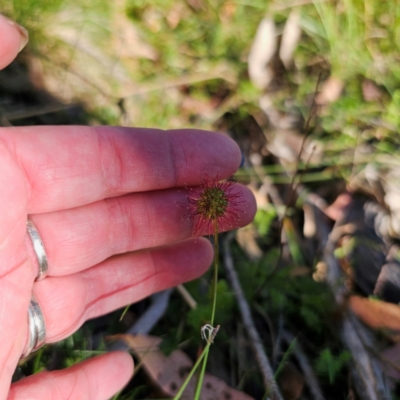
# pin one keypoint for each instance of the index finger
(69, 166)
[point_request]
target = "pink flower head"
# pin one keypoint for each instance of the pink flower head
(214, 204)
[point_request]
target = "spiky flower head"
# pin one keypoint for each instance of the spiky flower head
(214, 204)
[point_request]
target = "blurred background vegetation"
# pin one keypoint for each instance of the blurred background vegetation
(249, 69)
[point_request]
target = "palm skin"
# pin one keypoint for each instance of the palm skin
(105, 203)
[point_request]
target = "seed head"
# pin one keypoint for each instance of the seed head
(214, 204)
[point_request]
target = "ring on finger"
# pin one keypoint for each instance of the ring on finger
(36, 328)
(39, 249)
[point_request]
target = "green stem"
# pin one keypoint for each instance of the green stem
(214, 307)
(216, 256)
(189, 377)
(201, 376)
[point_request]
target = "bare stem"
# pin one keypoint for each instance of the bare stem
(216, 256)
(214, 307)
(202, 373)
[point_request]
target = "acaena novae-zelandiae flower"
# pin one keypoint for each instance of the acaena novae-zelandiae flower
(214, 204)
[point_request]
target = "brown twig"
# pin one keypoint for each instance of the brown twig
(255, 340)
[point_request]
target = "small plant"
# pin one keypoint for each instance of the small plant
(215, 206)
(330, 365)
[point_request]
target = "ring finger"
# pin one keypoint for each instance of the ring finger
(69, 301)
(79, 238)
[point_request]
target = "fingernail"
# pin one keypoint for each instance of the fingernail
(22, 32)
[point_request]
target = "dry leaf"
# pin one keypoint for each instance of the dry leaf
(309, 227)
(290, 38)
(288, 144)
(247, 239)
(127, 41)
(261, 53)
(331, 91)
(291, 382)
(336, 210)
(370, 91)
(170, 372)
(175, 15)
(227, 12)
(376, 313)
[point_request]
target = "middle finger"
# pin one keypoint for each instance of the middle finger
(76, 239)
(68, 301)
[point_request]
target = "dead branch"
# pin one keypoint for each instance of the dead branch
(255, 340)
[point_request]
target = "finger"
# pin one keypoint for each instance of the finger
(79, 238)
(69, 301)
(68, 166)
(16, 275)
(13, 39)
(96, 379)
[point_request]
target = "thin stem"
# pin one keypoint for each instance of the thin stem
(214, 307)
(216, 256)
(202, 373)
(189, 377)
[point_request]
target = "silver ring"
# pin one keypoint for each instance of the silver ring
(36, 328)
(39, 250)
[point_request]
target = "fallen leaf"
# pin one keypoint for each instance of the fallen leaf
(262, 50)
(127, 41)
(175, 15)
(170, 372)
(227, 12)
(309, 226)
(371, 91)
(290, 38)
(336, 210)
(247, 239)
(376, 313)
(291, 382)
(331, 91)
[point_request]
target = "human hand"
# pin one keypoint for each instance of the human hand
(104, 202)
